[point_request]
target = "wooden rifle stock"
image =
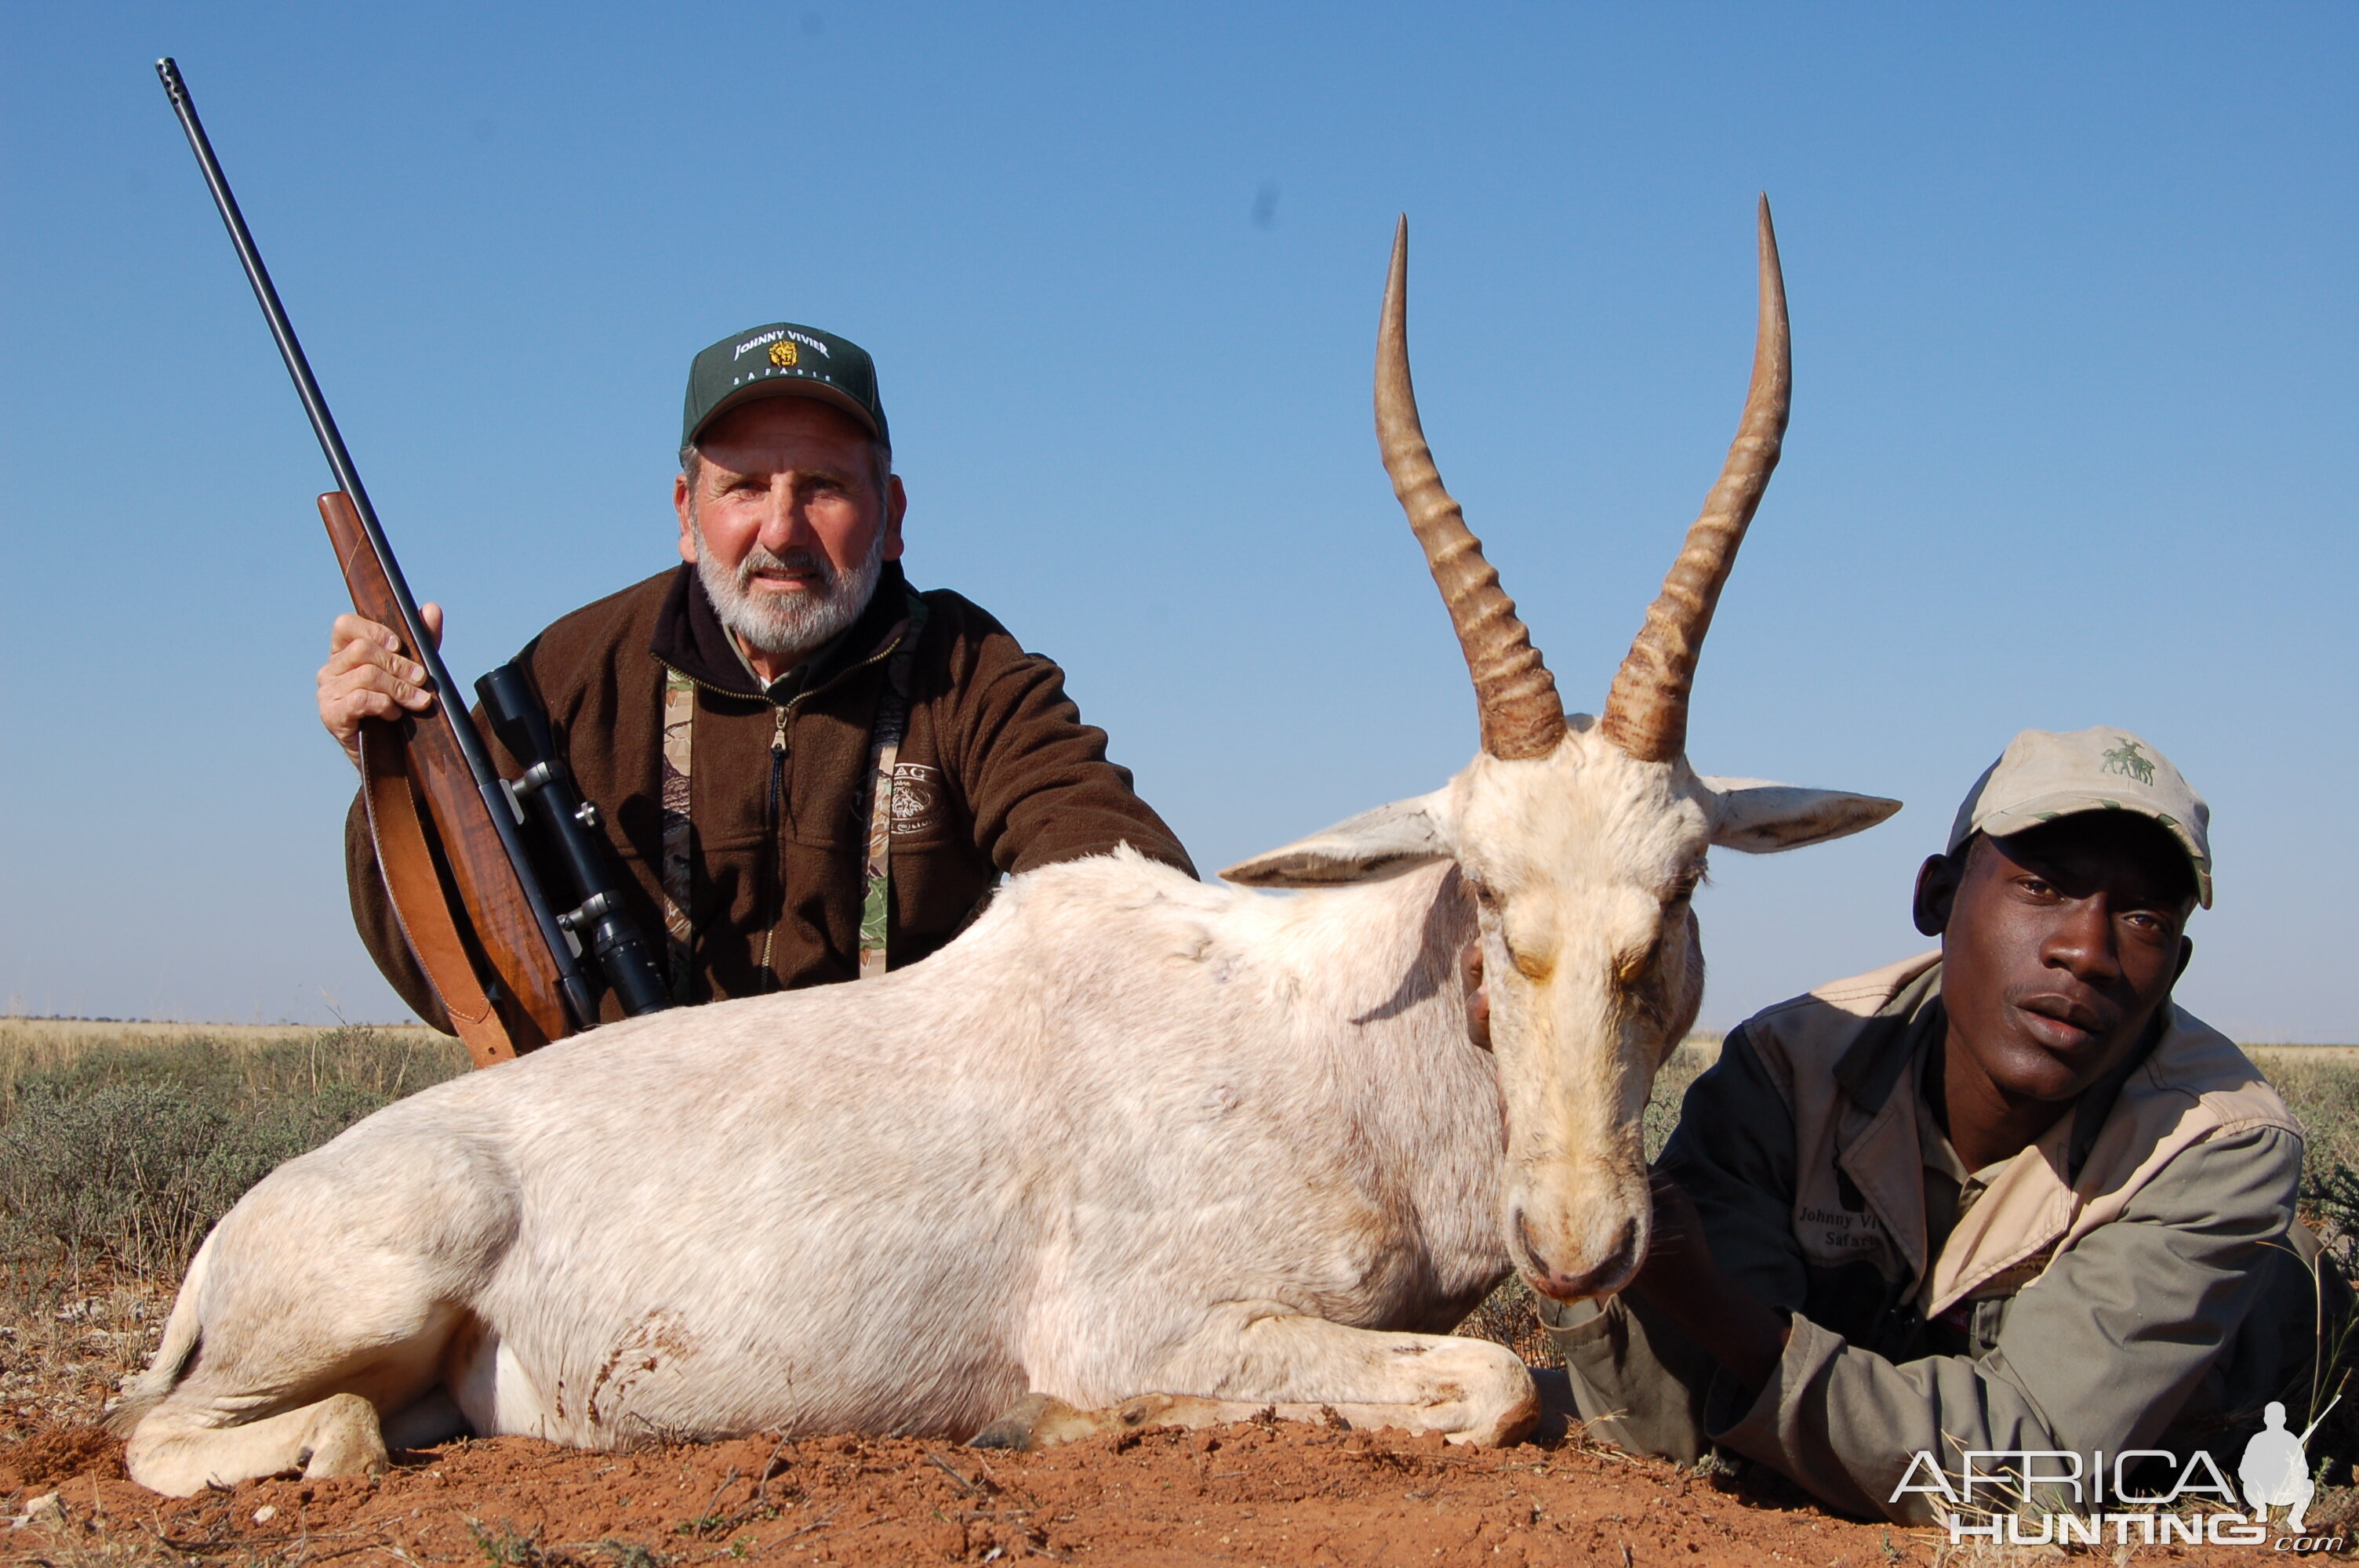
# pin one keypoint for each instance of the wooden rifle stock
(417, 776)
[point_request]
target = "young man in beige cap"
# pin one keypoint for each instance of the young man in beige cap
(2006, 1198)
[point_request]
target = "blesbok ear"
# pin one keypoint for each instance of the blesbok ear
(1368, 847)
(1758, 817)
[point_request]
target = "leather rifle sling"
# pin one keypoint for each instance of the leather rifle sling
(398, 833)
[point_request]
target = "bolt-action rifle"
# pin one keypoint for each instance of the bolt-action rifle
(499, 930)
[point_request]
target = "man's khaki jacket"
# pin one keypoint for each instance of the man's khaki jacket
(2133, 1280)
(998, 775)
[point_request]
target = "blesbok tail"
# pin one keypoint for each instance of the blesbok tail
(175, 1354)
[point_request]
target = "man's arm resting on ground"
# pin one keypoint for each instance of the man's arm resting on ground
(1687, 1289)
(1732, 1156)
(2100, 1352)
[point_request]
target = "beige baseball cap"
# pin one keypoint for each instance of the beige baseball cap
(2046, 773)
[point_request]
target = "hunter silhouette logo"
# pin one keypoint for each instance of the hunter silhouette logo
(2275, 1469)
(782, 354)
(2125, 759)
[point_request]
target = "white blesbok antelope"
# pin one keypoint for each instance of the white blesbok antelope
(1132, 1138)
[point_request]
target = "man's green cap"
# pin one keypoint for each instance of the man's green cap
(2043, 775)
(782, 360)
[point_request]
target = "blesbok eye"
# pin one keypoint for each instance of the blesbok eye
(1682, 891)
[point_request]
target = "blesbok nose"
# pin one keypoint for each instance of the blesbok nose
(1603, 1278)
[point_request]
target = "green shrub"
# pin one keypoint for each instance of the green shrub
(2324, 1095)
(127, 1156)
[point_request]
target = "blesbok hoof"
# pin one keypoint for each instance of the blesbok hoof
(345, 1440)
(1039, 1420)
(1511, 1426)
(1025, 1424)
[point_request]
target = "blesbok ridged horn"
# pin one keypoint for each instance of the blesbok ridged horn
(1646, 711)
(1522, 717)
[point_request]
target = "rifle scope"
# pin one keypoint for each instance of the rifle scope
(569, 824)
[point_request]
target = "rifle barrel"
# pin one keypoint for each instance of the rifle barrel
(348, 480)
(307, 387)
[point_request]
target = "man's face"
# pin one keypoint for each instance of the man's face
(2058, 944)
(784, 513)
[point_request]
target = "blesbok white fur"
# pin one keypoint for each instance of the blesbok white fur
(1131, 1135)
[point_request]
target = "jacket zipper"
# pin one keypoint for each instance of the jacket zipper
(774, 811)
(774, 816)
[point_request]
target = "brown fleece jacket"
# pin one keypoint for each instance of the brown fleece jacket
(1014, 781)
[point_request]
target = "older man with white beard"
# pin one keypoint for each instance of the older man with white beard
(811, 771)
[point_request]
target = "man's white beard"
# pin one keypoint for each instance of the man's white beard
(788, 625)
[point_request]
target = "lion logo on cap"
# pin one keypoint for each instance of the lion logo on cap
(2129, 761)
(782, 353)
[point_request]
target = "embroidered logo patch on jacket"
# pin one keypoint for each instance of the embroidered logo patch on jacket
(915, 790)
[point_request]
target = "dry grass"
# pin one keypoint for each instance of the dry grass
(2320, 1083)
(267, 1059)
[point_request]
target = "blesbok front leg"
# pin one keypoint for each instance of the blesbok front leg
(1306, 1368)
(178, 1451)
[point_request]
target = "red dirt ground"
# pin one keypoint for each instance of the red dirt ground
(1248, 1494)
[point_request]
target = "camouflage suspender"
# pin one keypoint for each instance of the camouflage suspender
(884, 759)
(884, 765)
(679, 856)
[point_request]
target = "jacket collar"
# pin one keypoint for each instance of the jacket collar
(1888, 1043)
(1914, 1020)
(1876, 1144)
(689, 638)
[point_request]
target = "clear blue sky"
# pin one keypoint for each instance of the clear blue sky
(2072, 292)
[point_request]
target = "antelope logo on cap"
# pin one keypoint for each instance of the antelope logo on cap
(782, 353)
(2129, 761)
